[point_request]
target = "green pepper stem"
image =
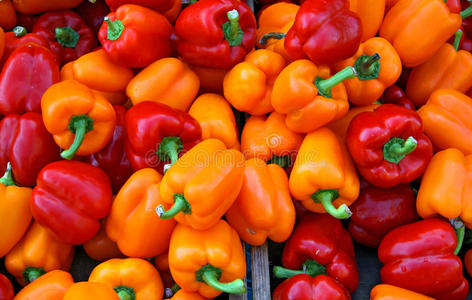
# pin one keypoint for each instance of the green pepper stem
(19, 31)
(115, 28)
(30, 274)
(79, 125)
(180, 205)
(232, 30)
(169, 149)
(67, 37)
(7, 179)
(325, 86)
(125, 293)
(459, 227)
(310, 267)
(92, 1)
(466, 12)
(282, 161)
(397, 148)
(233, 18)
(457, 39)
(326, 198)
(271, 35)
(211, 277)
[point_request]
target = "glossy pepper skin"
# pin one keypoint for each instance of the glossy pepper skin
(17, 38)
(395, 95)
(94, 290)
(207, 261)
(202, 39)
(27, 145)
(2, 43)
(135, 36)
(388, 145)
(29, 71)
(377, 211)
(157, 134)
(39, 6)
(302, 286)
(371, 13)
(6, 288)
(183, 295)
(340, 126)
(417, 29)
(69, 199)
(420, 257)
(468, 261)
(162, 6)
(388, 292)
(101, 247)
(50, 286)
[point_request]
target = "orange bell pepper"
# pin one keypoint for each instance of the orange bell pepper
(211, 79)
(248, 85)
(50, 286)
(38, 252)
(99, 73)
(418, 28)
(39, 6)
(132, 220)
(216, 119)
(183, 295)
(323, 177)
(447, 69)
(202, 185)
(8, 13)
(371, 13)
(207, 261)
(446, 120)
(468, 261)
(390, 292)
(131, 278)
(339, 127)
(365, 92)
(79, 119)
(264, 208)
(101, 247)
(90, 290)
(167, 80)
(15, 212)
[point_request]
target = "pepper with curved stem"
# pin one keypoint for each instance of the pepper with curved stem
(326, 198)
(7, 179)
(271, 35)
(397, 148)
(169, 149)
(180, 205)
(459, 228)
(211, 275)
(125, 293)
(310, 267)
(79, 125)
(31, 273)
(115, 28)
(232, 29)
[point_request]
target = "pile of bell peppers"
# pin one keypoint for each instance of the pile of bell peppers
(159, 136)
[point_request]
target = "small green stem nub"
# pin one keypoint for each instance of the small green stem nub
(211, 276)
(466, 12)
(125, 293)
(326, 198)
(397, 148)
(30, 274)
(115, 28)
(367, 67)
(180, 205)
(79, 125)
(19, 31)
(7, 179)
(232, 30)
(67, 37)
(271, 35)
(459, 227)
(457, 39)
(310, 267)
(169, 149)
(283, 161)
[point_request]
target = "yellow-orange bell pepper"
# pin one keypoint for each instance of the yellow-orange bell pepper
(183, 295)
(39, 6)
(9, 19)
(339, 127)
(323, 177)
(90, 290)
(50, 286)
(371, 13)
(207, 261)
(390, 292)
(101, 247)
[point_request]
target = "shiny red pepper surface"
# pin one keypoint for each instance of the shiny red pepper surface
(6, 288)
(17, 38)
(303, 287)
(395, 95)
(157, 5)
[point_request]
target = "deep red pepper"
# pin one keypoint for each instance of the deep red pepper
(388, 145)
(28, 73)
(93, 13)
(6, 288)
(454, 6)
(377, 211)
(420, 257)
(302, 287)
(69, 199)
(467, 45)
(395, 95)
(27, 145)
(215, 33)
(325, 31)
(68, 35)
(26, 20)
(158, 134)
(160, 6)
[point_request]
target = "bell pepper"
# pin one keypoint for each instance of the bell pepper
(468, 261)
(135, 36)
(216, 118)
(388, 292)
(377, 211)
(170, 9)
(28, 72)
(99, 73)
(69, 199)
(371, 13)
(340, 126)
(157, 134)
(216, 34)
(26, 20)
(183, 295)
(7, 11)
(420, 257)
(27, 145)
(207, 261)
(39, 6)
(38, 252)
(446, 119)
(167, 81)
(302, 286)
(91, 290)
(309, 100)
(6, 288)
(320, 245)
(417, 29)
(395, 95)
(80, 120)
(50, 286)
(262, 211)
(131, 278)
(248, 85)
(323, 177)
(324, 31)
(68, 35)
(17, 38)
(93, 12)
(101, 247)
(368, 91)
(388, 145)
(202, 185)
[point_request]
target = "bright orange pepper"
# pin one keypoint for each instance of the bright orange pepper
(8, 13)
(339, 127)
(70, 104)
(90, 290)
(167, 80)
(446, 120)
(132, 220)
(216, 119)
(183, 295)
(51, 286)
(39, 6)
(390, 292)
(211, 79)
(468, 261)
(264, 208)
(418, 28)
(324, 178)
(371, 13)
(131, 278)
(248, 85)
(101, 247)
(36, 253)
(207, 261)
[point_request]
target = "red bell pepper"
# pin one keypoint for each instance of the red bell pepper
(388, 145)
(302, 287)
(395, 95)
(377, 211)
(93, 12)
(325, 31)
(6, 288)
(27, 145)
(68, 35)
(69, 199)
(215, 33)
(28, 73)
(420, 257)
(135, 36)
(319, 245)
(160, 6)
(27, 20)
(158, 134)
(454, 6)
(466, 22)
(113, 159)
